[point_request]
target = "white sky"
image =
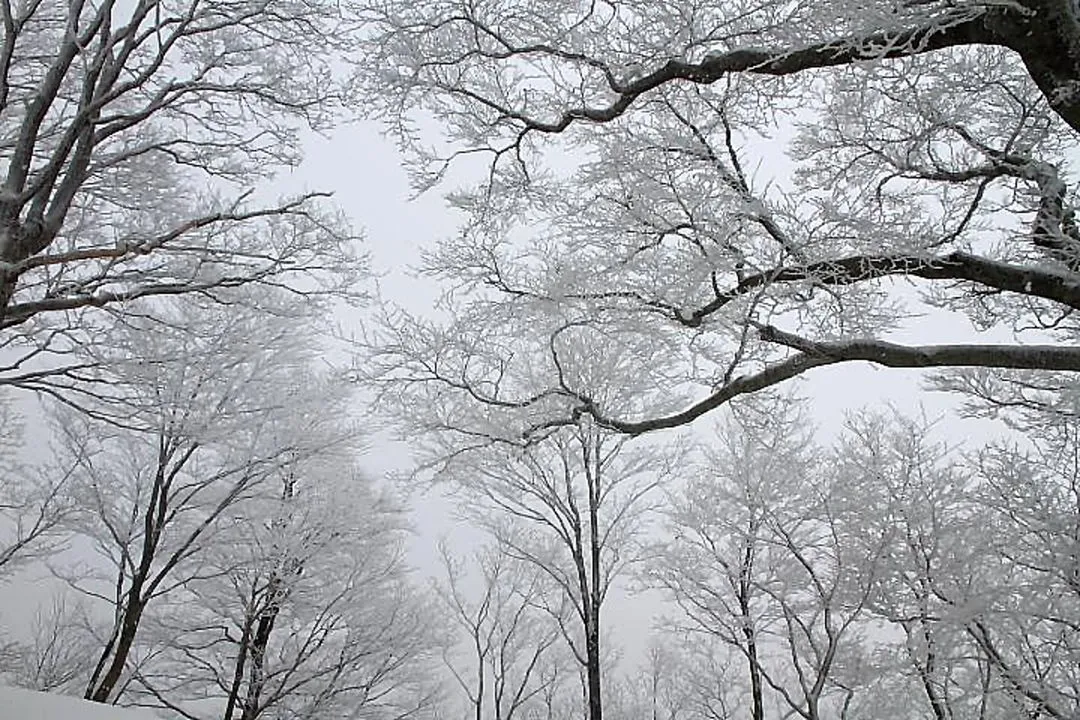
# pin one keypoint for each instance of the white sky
(365, 173)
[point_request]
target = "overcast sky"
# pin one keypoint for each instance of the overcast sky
(364, 171)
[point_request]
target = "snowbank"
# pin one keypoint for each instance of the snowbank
(17, 704)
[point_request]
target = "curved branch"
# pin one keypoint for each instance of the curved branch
(966, 28)
(812, 354)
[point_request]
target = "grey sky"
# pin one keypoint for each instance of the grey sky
(364, 171)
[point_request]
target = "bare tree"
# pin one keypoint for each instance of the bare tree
(305, 613)
(511, 653)
(922, 141)
(58, 651)
(892, 578)
(911, 503)
(33, 502)
(663, 687)
(572, 509)
(978, 617)
(216, 407)
(1029, 637)
(758, 563)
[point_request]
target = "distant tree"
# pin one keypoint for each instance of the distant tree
(1028, 636)
(205, 413)
(507, 662)
(572, 510)
(912, 503)
(659, 688)
(757, 563)
(33, 501)
(302, 609)
(57, 652)
(891, 577)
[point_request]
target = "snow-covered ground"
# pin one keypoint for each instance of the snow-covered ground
(17, 704)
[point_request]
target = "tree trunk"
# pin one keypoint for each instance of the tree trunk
(101, 691)
(750, 635)
(259, 643)
(1048, 41)
(238, 669)
(276, 589)
(593, 598)
(592, 670)
(155, 517)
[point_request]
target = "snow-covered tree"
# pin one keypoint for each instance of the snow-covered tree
(133, 139)
(723, 196)
(302, 609)
(506, 661)
(205, 414)
(33, 501)
(573, 511)
(757, 564)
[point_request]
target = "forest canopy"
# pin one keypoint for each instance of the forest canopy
(688, 202)
(659, 215)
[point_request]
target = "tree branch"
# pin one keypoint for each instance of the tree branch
(966, 28)
(1049, 284)
(812, 354)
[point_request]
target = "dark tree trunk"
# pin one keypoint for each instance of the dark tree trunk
(750, 633)
(594, 597)
(238, 671)
(592, 651)
(1048, 41)
(259, 643)
(144, 580)
(115, 655)
(276, 590)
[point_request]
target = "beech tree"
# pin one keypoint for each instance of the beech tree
(134, 136)
(302, 609)
(508, 662)
(60, 647)
(974, 560)
(666, 686)
(1029, 636)
(571, 511)
(894, 577)
(758, 564)
(914, 506)
(214, 407)
(724, 196)
(33, 503)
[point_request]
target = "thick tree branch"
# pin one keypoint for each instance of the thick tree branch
(1048, 284)
(1045, 33)
(812, 354)
(965, 28)
(1048, 41)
